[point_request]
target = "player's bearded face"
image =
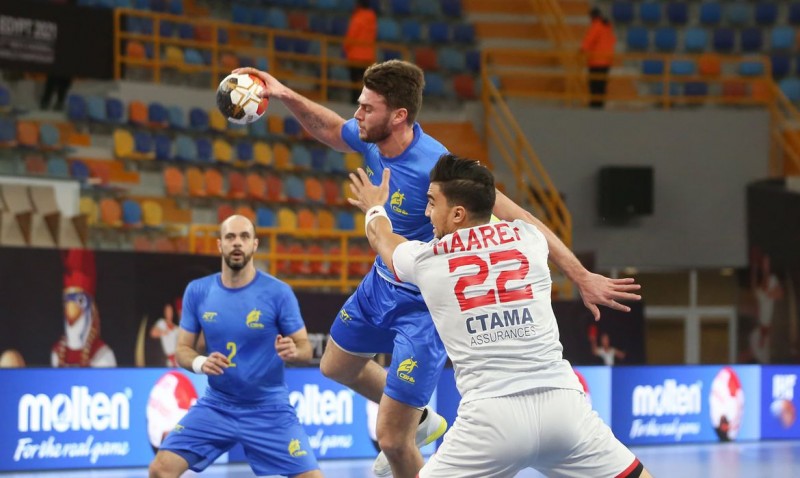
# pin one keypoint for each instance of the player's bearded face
(374, 118)
(237, 257)
(237, 243)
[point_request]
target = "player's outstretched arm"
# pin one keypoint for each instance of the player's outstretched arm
(295, 348)
(322, 123)
(370, 199)
(188, 358)
(595, 289)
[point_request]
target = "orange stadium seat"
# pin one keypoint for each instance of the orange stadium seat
(138, 114)
(274, 188)
(173, 181)
(326, 220)
(275, 124)
(224, 211)
(282, 157)
(256, 186)
(332, 192)
(195, 182)
(110, 212)
(27, 133)
(237, 185)
(215, 183)
(247, 212)
(306, 219)
(314, 189)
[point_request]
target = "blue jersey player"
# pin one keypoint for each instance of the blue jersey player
(384, 315)
(251, 324)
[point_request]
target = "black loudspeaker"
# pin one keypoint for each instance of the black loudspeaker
(625, 192)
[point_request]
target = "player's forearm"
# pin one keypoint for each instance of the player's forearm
(322, 123)
(383, 241)
(304, 351)
(184, 355)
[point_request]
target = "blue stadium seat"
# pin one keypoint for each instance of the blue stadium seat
(291, 127)
(185, 149)
(244, 151)
(277, 18)
(695, 39)
(682, 67)
(76, 108)
(198, 119)
(695, 88)
(8, 129)
(738, 14)
(176, 118)
(791, 88)
(794, 13)
(326, 4)
(464, 33)
(710, 13)
(57, 167)
(49, 135)
(259, 17)
(339, 72)
(157, 114)
(650, 12)
(638, 39)
(142, 142)
(434, 84)
(79, 170)
(294, 188)
(96, 108)
(678, 13)
(319, 159)
(192, 56)
(265, 217)
(345, 221)
(782, 38)
(240, 14)
(781, 65)
(751, 68)
(723, 39)
(319, 24)
(5, 97)
(131, 213)
(163, 147)
(401, 7)
(473, 60)
(622, 12)
(428, 9)
(335, 162)
(301, 46)
(411, 30)
(284, 44)
(451, 59)
(205, 150)
(652, 67)
(115, 111)
(186, 31)
(388, 30)
(451, 8)
(222, 36)
(258, 128)
(391, 55)
(766, 13)
(438, 32)
(339, 26)
(751, 40)
(666, 39)
(301, 157)
(175, 7)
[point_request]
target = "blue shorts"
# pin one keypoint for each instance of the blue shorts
(381, 317)
(274, 441)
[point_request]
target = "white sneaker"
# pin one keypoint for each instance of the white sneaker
(428, 431)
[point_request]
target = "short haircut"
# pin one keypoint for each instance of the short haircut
(465, 182)
(224, 224)
(400, 83)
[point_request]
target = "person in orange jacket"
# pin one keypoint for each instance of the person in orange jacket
(598, 46)
(359, 44)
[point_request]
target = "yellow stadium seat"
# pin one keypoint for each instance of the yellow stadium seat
(287, 219)
(262, 153)
(282, 157)
(353, 161)
(275, 124)
(89, 208)
(123, 144)
(223, 151)
(173, 54)
(216, 121)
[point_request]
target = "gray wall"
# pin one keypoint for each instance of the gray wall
(702, 159)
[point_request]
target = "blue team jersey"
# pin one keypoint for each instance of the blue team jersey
(408, 185)
(242, 324)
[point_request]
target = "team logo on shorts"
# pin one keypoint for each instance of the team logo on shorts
(345, 317)
(405, 369)
(397, 203)
(209, 316)
(295, 450)
(253, 319)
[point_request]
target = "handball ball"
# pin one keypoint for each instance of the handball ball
(239, 98)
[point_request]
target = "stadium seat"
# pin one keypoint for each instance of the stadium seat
(224, 211)
(281, 157)
(400, 7)
(434, 84)
(205, 150)
(751, 68)
(737, 14)
(677, 13)
(637, 39)
(388, 30)
(294, 189)
(451, 8)
(216, 121)
(222, 150)
(274, 188)
(163, 147)
(622, 12)
(123, 143)
(115, 111)
(142, 144)
(157, 115)
(426, 58)
(49, 136)
(345, 221)
(451, 60)
(173, 181)
(781, 65)
(794, 13)
(723, 40)
(79, 171)
(682, 67)
(198, 119)
(185, 149)
(695, 40)
(301, 157)
(90, 209)
(152, 214)
(666, 39)
(137, 113)
(319, 159)
(131, 213)
(287, 219)
(464, 86)
(710, 13)
(696, 88)
(766, 13)
(57, 167)
(782, 38)
(175, 118)
(326, 220)
(791, 88)
(291, 127)
(195, 182)
(411, 30)
(35, 164)
(306, 219)
(96, 108)
(650, 12)
(237, 185)
(262, 154)
(76, 108)
(751, 40)
(256, 186)
(214, 182)
(652, 67)
(265, 217)
(709, 65)
(438, 32)
(314, 189)
(110, 212)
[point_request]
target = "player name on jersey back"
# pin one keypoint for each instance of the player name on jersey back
(478, 238)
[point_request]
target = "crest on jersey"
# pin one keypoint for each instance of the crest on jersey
(397, 202)
(406, 368)
(209, 316)
(345, 317)
(253, 319)
(295, 449)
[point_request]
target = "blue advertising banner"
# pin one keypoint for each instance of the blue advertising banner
(686, 404)
(779, 402)
(87, 418)
(596, 383)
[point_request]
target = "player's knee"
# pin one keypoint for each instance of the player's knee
(393, 446)
(161, 468)
(333, 369)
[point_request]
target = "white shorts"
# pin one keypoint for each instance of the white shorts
(552, 430)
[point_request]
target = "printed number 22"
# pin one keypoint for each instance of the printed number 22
(232, 347)
(492, 296)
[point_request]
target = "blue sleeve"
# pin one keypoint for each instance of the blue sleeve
(350, 136)
(189, 320)
(289, 318)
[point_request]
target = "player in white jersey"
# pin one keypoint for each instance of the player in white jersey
(487, 286)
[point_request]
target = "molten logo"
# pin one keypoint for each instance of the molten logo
(294, 448)
(405, 369)
(253, 319)
(322, 407)
(78, 411)
(670, 398)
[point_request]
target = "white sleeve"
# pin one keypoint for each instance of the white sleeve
(534, 231)
(403, 260)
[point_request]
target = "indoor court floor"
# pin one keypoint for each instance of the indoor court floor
(728, 460)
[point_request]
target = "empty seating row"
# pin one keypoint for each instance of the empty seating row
(764, 13)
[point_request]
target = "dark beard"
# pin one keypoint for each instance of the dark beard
(378, 136)
(236, 266)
